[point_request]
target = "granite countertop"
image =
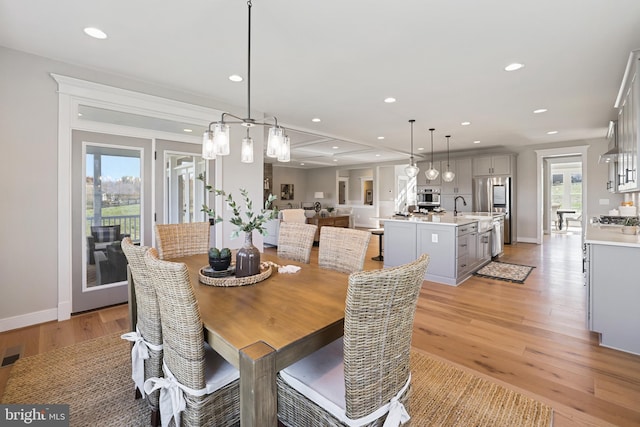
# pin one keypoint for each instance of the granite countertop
(607, 235)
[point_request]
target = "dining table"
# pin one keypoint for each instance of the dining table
(264, 327)
(561, 213)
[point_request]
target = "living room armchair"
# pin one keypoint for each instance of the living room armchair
(111, 265)
(101, 237)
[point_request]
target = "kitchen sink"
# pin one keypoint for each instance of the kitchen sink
(484, 222)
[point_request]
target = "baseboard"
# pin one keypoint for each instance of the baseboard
(527, 240)
(29, 319)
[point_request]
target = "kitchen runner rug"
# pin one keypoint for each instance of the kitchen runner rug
(94, 378)
(505, 271)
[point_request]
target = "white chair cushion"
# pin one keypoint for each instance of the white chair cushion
(320, 377)
(218, 372)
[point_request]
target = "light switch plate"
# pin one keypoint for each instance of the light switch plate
(434, 238)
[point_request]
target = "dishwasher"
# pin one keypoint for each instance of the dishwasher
(497, 239)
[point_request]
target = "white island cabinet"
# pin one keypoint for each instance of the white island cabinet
(613, 285)
(453, 245)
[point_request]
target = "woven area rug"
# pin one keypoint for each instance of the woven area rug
(515, 273)
(94, 378)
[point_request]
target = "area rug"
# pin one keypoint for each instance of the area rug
(504, 271)
(94, 378)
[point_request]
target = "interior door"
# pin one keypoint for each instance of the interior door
(111, 192)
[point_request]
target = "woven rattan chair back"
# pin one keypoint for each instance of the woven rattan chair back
(295, 241)
(148, 312)
(183, 342)
(182, 332)
(342, 249)
(178, 240)
(378, 324)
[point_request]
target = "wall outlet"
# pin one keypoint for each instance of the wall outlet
(604, 202)
(434, 238)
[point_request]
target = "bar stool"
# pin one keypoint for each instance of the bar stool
(378, 232)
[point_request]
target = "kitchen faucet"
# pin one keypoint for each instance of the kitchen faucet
(455, 204)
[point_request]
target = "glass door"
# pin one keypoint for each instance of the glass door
(179, 193)
(108, 206)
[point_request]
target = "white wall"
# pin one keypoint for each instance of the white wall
(28, 179)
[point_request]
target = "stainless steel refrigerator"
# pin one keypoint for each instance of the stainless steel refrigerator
(494, 194)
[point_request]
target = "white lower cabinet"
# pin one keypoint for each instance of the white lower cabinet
(614, 295)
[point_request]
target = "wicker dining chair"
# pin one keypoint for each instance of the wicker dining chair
(342, 249)
(295, 241)
(365, 375)
(178, 240)
(208, 384)
(147, 337)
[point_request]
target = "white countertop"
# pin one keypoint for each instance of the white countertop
(607, 235)
(446, 219)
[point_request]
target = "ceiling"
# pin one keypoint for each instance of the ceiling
(338, 60)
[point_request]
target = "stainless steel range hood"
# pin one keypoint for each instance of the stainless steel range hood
(612, 154)
(609, 156)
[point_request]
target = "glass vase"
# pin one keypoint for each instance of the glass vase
(247, 258)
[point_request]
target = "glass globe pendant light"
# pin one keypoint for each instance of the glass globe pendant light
(411, 170)
(432, 173)
(448, 175)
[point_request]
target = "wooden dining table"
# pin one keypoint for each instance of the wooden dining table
(265, 327)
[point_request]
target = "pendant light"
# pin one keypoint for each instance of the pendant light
(411, 170)
(448, 175)
(215, 141)
(432, 173)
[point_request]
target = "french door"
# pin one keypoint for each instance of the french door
(111, 196)
(179, 193)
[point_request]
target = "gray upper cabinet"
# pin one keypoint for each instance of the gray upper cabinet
(628, 123)
(463, 180)
(492, 165)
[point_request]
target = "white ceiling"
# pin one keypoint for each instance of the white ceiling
(338, 60)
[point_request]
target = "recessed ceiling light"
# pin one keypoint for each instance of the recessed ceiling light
(335, 160)
(390, 100)
(381, 137)
(301, 164)
(420, 148)
(315, 120)
(79, 114)
(377, 155)
(552, 132)
(235, 78)
(96, 33)
(513, 67)
(465, 123)
(476, 142)
(540, 110)
(335, 147)
(187, 130)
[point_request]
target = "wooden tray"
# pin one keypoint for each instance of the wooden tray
(265, 272)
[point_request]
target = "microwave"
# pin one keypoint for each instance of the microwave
(429, 197)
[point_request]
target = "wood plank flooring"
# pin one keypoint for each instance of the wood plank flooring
(530, 337)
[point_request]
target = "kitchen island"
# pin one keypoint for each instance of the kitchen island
(457, 245)
(612, 276)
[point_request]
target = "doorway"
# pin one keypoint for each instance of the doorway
(565, 195)
(543, 205)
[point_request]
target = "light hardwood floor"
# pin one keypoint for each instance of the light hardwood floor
(530, 337)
